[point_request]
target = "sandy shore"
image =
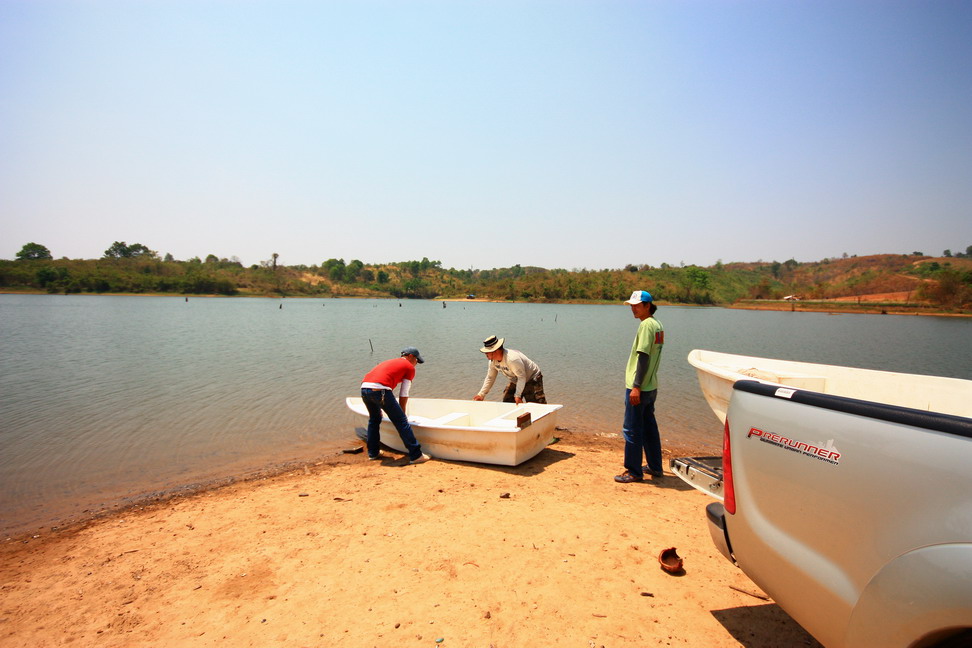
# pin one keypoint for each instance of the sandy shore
(349, 552)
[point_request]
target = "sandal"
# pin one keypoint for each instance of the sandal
(653, 473)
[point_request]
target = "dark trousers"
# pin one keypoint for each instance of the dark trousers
(641, 434)
(532, 392)
(377, 401)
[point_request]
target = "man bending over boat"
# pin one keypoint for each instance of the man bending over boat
(377, 392)
(521, 370)
(640, 428)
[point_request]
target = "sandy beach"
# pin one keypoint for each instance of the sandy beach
(351, 552)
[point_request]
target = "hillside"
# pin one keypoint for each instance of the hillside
(944, 283)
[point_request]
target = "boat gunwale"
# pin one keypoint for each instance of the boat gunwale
(471, 428)
(828, 371)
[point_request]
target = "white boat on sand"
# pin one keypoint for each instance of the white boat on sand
(717, 372)
(505, 434)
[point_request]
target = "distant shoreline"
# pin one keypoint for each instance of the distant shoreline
(835, 308)
(844, 308)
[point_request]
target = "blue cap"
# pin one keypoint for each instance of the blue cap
(639, 297)
(413, 351)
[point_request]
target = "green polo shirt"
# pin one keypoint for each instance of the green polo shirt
(650, 339)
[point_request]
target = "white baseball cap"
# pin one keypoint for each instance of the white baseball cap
(639, 297)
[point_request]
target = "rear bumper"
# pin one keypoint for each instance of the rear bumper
(715, 514)
(701, 473)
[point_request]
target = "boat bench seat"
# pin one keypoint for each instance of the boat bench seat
(507, 420)
(446, 419)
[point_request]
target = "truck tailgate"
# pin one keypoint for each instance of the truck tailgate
(703, 473)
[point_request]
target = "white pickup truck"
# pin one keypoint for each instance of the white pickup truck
(853, 513)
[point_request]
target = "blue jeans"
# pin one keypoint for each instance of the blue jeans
(641, 434)
(377, 400)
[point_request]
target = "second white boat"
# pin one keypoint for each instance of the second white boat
(717, 372)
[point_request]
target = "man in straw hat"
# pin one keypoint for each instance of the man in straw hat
(640, 428)
(377, 392)
(521, 370)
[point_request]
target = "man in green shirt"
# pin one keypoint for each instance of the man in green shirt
(641, 381)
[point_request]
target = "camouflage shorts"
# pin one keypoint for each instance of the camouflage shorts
(532, 392)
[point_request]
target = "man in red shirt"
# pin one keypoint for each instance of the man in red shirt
(377, 392)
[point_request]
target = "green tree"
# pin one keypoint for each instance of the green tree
(699, 278)
(52, 278)
(33, 252)
(953, 289)
(334, 268)
(120, 250)
(416, 288)
(138, 250)
(352, 271)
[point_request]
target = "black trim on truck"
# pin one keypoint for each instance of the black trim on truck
(716, 514)
(947, 423)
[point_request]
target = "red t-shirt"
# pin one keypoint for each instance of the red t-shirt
(391, 372)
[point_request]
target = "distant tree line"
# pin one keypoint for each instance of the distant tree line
(136, 268)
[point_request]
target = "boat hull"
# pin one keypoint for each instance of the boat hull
(478, 431)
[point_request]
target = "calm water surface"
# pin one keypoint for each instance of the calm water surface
(108, 399)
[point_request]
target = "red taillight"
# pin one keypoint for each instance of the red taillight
(728, 492)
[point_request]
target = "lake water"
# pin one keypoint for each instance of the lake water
(105, 400)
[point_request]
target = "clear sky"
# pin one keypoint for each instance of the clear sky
(560, 133)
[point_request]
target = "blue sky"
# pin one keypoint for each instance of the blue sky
(563, 134)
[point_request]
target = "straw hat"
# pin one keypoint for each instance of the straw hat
(492, 343)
